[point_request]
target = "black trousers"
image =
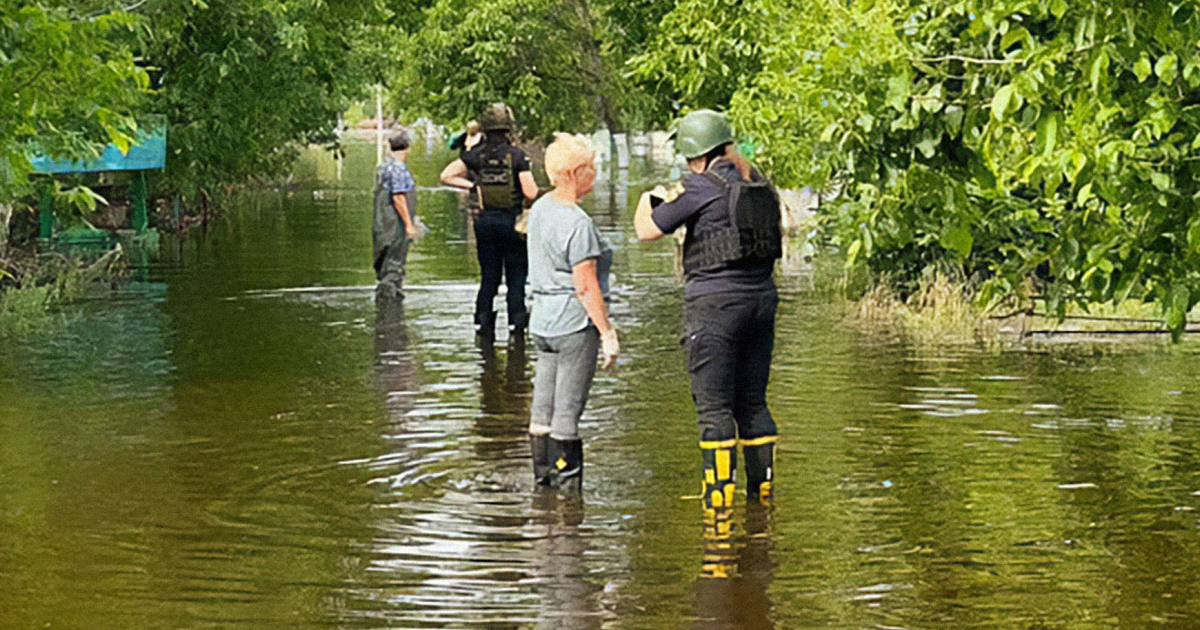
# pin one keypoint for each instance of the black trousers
(501, 252)
(730, 337)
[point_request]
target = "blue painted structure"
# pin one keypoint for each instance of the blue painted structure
(148, 152)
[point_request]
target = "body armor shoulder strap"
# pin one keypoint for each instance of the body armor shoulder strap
(751, 231)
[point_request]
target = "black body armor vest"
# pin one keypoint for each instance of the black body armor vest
(497, 186)
(749, 233)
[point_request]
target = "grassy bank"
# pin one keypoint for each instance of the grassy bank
(35, 286)
(943, 310)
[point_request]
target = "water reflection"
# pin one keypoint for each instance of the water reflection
(736, 570)
(567, 592)
(249, 441)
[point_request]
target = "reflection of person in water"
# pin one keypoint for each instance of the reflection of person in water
(397, 372)
(735, 574)
(504, 399)
(567, 595)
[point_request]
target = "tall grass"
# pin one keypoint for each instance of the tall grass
(45, 283)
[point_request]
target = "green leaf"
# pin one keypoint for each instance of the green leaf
(958, 239)
(1018, 34)
(954, 118)
(1167, 68)
(927, 147)
(1001, 101)
(852, 252)
(1142, 68)
(1058, 8)
(1047, 137)
(1099, 69)
(827, 135)
(1084, 195)
(1193, 236)
(1161, 181)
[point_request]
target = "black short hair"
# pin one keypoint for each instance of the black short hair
(398, 142)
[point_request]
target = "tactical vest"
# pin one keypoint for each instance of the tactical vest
(749, 232)
(497, 186)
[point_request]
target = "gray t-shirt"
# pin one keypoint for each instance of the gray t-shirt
(561, 235)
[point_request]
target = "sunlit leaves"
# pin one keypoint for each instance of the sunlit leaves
(69, 86)
(560, 65)
(1041, 143)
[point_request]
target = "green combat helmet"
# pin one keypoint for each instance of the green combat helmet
(700, 132)
(497, 117)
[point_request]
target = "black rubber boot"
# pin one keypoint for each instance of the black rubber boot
(760, 469)
(567, 459)
(485, 325)
(517, 325)
(543, 469)
(720, 477)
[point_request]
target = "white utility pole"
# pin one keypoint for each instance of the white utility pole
(379, 125)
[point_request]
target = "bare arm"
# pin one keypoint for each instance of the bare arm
(528, 185)
(587, 289)
(400, 203)
(643, 221)
(455, 175)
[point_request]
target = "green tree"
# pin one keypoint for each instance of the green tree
(69, 87)
(243, 83)
(1041, 143)
(558, 63)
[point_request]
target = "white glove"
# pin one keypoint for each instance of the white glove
(609, 347)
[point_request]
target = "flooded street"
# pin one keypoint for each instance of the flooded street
(231, 441)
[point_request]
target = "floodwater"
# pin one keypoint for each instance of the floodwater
(232, 441)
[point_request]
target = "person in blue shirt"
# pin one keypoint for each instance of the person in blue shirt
(395, 225)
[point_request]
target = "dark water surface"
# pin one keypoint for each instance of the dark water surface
(232, 442)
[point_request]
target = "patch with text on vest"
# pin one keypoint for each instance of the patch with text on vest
(497, 186)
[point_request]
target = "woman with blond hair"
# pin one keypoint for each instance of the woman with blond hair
(569, 263)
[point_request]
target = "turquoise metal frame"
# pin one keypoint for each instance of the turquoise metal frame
(149, 152)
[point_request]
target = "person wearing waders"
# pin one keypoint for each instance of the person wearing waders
(731, 214)
(569, 264)
(499, 173)
(395, 225)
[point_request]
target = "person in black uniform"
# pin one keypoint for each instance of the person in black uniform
(733, 238)
(499, 173)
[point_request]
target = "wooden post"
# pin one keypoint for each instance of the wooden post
(5, 215)
(378, 125)
(46, 212)
(138, 218)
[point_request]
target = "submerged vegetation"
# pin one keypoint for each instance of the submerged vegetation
(32, 286)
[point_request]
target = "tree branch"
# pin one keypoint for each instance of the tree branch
(989, 62)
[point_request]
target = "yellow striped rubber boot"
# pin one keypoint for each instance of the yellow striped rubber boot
(720, 483)
(759, 454)
(720, 474)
